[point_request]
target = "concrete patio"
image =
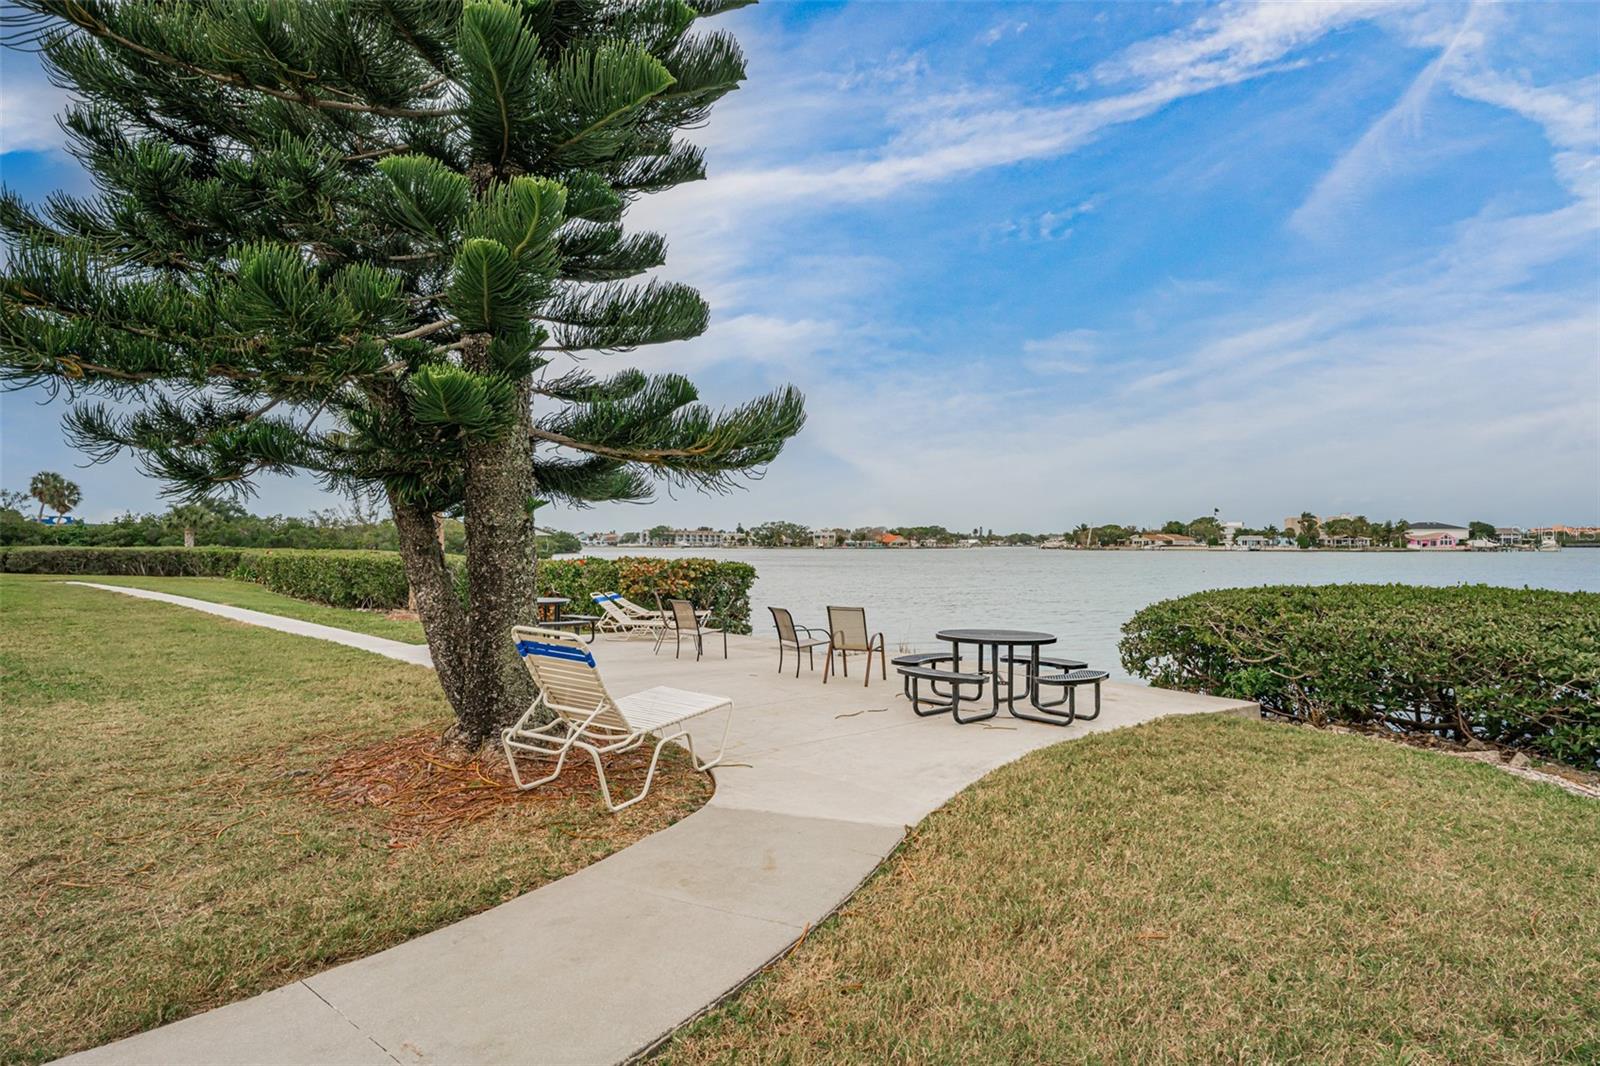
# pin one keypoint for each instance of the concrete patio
(821, 785)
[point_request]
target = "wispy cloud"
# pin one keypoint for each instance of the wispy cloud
(884, 223)
(29, 105)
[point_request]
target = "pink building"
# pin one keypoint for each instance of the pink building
(1434, 536)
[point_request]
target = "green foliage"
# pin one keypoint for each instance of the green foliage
(54, 491)
(1519, 667)
(377, 580)
(141, 562)
(337, 578)
(780, 535)
(722, 586)
(335, 237)
(557, 543)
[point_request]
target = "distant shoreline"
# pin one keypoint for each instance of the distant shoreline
(1195, 549)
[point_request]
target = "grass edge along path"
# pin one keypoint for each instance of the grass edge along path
(163, 843)
(254, 597)
(1204, 889)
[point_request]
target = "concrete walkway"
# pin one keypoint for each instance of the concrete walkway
(600, 966)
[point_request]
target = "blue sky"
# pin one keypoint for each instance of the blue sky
(1039, 264)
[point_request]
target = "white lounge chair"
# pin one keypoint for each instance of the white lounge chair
(616, 619)
(633, 608)
(589, 719)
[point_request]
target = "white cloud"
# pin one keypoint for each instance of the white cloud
(29, 105)
(1072, 351)
(1238, 42)
(958, 133)
(1000, 30)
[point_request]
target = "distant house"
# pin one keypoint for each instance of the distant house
(893, 540)
(1163, 540)
(825, 538)
(1436, 536)
(1344, 542)
(704, 537)
(1510, 536)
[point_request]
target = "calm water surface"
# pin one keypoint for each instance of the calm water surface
(1085, 597)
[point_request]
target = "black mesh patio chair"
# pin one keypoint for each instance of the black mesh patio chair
(789, 637)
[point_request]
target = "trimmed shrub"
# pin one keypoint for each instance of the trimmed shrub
(1519, 667)
(140, 562)
(376, 580)
(722, 586)
(369, 580)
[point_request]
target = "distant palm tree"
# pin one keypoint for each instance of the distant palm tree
(54, 491)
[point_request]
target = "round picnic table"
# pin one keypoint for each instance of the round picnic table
(1011, 640)
(549, 607)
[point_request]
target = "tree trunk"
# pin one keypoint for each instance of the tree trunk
(500, 560)
(188, 536)
(444, 621)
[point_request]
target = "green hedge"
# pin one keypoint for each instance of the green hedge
(140, 562)
(1519, 667)
(722, 586)
(377, 580)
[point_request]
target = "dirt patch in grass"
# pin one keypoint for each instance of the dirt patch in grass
(164, 844)
(428, 788)
(1205, 889)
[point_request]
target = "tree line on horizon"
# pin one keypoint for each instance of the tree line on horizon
(226, 524)
(1206, 529)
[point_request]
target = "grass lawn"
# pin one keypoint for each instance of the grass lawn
(163, 845)
(253, 596)
(1205, 890)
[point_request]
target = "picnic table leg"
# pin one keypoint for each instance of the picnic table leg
(994, 675)
(1048, 717)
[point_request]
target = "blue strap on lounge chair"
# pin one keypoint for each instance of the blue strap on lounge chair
(554, 651)
(600, 597)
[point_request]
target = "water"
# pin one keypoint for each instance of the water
(1084, 597)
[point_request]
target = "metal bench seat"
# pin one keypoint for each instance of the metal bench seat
(928, 673)
(575, 622)
(1070, 681)
(921, 658)
(1054, 664)
(945, 702)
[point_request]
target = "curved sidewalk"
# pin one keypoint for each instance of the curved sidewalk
(820, 785)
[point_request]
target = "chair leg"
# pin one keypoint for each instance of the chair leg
(561, 761)
(780, 658)
(827, 665)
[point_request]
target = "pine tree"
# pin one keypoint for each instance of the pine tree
(349, 237)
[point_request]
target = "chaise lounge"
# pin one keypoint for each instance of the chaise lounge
(589, 719)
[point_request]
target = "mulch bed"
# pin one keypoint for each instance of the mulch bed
(430, 787)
